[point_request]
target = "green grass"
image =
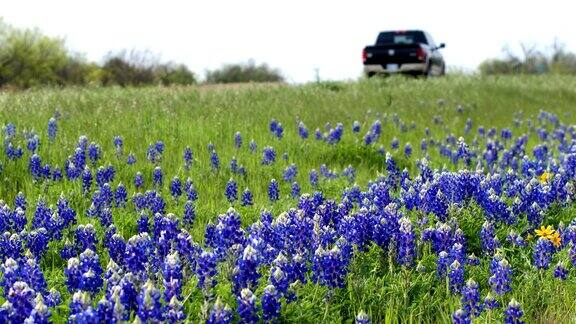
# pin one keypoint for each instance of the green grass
(196, 116)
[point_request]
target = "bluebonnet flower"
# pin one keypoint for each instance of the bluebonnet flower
(143, 223)
(20, 201)
(363, 318)
(488, 238)
(278, 130)
(408, 149)
(86, 237)
(268, 155)
(91, 278)
(560, 271)
(231, 191)
(149, 304)
(40, 314)
(273, 125)
(73, 274)
(117, 247)
(189, 213)
(20, 297)
(131, 159)
(190, 190)
(330, 267)
(37, 242)
(490, 302)
(252, 145)
(11, 273)
(10, 130)
(302, 130)
(33, 143)
(247, 309)
(18, 219)
(313, 178)
(273, 190)
(120, 195)
(188, 158)
(206, 270)
(456, 276)
(270, 304)
(471, 301)
(247, 198)
(94, 152)
(220, 313)
(500, 279)
(173, 276)
(442, 264)
(214, 160)
(318, 134)
(350, 173)
(295, 190)
(105, 217)
(460, 317)
(237, 140)
(406, 243)
(35, 166)
(513, 313)
(118, 143)
(157, 176)
(246, 272)
(174, 312)
(52, 128)
(356, 126)
(290, 173)
(234, 165)
(138, 253)
(176, 187)
(543, 251)
(86, 180)
(68, 251)
(335, 134)
(395, 143)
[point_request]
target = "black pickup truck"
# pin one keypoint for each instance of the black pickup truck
(405, 51)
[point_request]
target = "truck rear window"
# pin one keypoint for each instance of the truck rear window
(400, 38)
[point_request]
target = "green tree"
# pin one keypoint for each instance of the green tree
(247, 72)
(28, 58)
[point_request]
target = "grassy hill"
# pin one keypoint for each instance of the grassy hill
(196, 116)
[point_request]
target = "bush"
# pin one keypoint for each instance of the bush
(248, 72)
(170, 73)
(532, 61)
(142, 68)
(28, 58)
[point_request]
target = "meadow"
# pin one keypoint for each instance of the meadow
(384, 200)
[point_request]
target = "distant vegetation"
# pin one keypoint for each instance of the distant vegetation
(532, 61)
(28, 58)
(248, 72)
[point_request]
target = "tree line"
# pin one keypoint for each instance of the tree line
(532, 60)
(29, 58)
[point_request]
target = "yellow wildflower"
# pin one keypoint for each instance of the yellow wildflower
(555, 238)
(545, 231)
(544, 177)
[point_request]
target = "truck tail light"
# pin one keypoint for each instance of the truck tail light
(421, 54)
(364, 56)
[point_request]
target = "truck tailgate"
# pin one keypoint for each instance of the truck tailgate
(385, 54)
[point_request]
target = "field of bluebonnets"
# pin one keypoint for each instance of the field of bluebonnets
(378, 201)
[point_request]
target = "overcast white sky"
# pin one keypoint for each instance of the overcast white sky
(296, 36)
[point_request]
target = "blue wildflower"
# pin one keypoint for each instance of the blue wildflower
(513, 313)
(273, 191)
(247, 198)
(231, 191)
